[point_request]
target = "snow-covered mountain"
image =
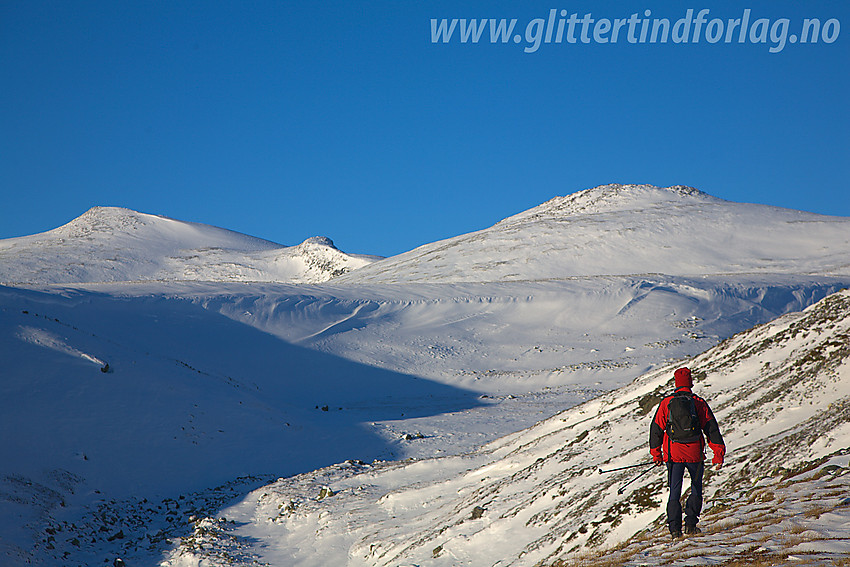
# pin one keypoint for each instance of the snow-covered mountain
(606, 230)
(131, 395)
(110, 244)
(629, 229)
(781, 393)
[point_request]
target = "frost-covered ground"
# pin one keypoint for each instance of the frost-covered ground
(146, 396)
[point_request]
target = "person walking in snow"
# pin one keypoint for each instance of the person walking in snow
(677, 437)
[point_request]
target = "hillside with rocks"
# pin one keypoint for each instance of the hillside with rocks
(781, 393)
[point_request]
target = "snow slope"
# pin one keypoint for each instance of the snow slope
(190, 399)
(109, 244)
(781, 393)
(216, 387)
(628, 229)
(226, 385)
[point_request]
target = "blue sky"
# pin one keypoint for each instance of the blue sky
(286, 120)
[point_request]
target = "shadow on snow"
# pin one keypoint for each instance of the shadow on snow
(191, 400)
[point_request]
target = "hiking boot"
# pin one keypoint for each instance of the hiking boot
(676, 534)
(691, 530)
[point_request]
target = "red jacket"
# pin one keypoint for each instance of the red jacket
(685, 452)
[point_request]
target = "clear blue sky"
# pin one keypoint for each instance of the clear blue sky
(286, 120)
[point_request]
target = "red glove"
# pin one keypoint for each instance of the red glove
(719, 452)
(656, 455)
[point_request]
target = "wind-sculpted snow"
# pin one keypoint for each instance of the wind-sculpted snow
(781, 393)
(110, 244)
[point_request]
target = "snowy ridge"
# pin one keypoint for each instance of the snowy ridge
(628, 229)
(110, 244)
(781, 393)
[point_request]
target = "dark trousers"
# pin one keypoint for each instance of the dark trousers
(693, 506)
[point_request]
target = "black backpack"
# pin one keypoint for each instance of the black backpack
(682, 421)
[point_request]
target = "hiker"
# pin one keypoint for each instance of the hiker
(677, 438)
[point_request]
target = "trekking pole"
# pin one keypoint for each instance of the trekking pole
(623, 488)
(626, 467)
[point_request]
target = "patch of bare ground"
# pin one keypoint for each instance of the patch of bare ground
(774, 523)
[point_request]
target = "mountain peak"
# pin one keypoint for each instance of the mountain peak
(628, 229)
(103, 219)
(107, 244)
(320, 241)
(615, 197)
